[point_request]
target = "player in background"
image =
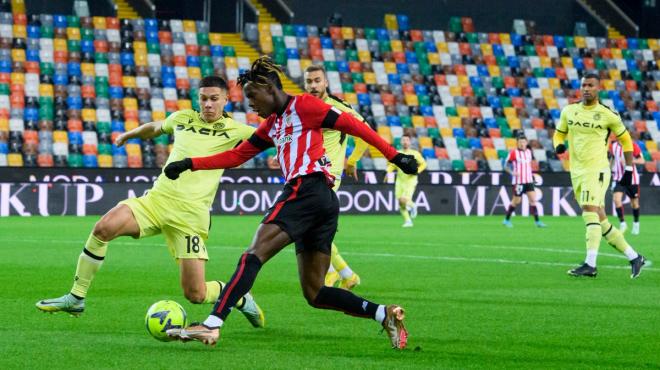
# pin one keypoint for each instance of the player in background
(307, 210)
(177, 209)
(586, 125)
(405, 185)
(334, 142)
(519, 165)
(632, 190)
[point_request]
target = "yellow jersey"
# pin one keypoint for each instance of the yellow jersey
(194, 137)
(587, 129)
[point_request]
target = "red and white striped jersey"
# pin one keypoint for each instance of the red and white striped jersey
(619, 161)
(521, 160)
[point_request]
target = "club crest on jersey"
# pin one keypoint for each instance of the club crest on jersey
(287, 121)
(218, 125)
(596, 116)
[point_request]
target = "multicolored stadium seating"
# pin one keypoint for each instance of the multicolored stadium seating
(69, 86)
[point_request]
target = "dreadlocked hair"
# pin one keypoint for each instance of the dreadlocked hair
(262, 72)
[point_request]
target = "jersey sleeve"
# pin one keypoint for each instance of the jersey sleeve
(562, 127)
(170, 122)
(420, 161)
(615, 124)
(312, 111)
(511, 157)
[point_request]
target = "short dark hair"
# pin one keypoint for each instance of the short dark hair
(592, 75)
(314, 68)
(213, 81)
(262, 72)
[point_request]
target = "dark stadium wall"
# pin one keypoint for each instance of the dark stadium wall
(96, 7)
(551, 16)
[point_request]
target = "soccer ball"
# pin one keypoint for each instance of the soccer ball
(164, 315)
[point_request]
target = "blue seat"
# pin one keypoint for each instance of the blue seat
(5, 66)
(428, 153)
(152, 37)
(74, 102)
(482, 70)
(216, 51)
(229, 107)
(475, 143)
(4, 148)
(150, 24)
(494, 101)
(59, 21)
(32, 55)
(33, 31)
(300, 30)
(394, 121)
(555, 113)
(292, 53)
(421, 90)
(632, 64)
(116, 92)
(127, 59)
(426, 110)
(459, 132)
(656, 117)
(620, 106)
(342, 66)
(73, 69)
(75, 137)
(431, 47)
(491, 122)
(402, 68)
(394, 79)
(326, 43)
(363, 99)
(118, 150)
(31, 114)
(560, 42)
(382, 34)
(411, 57)
(633, 43)
(513, 61)
(614, 95)
(192, 61)
(513, 91)
(516, 39)
(532, 82)
(134, 141)
(575, 84)
(90, 161)
(642, 145)
(169, 81)
(550, 72)
(578, 63)
(403, 22)
(476, 82)
(498, 50)
(87, 46)
(117, 126)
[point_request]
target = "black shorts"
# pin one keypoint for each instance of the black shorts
(307, 210)
(632, 191)
(520, 189)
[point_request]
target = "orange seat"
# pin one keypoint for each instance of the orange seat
(640, 126)
(468, 25)
(45, 160)
(430, 122)
(487, 142)
(509, 82)
(490, 60)
(651, 106)
(475, 112)
(440, 80)
(471, 165)
(74, 125)
(631, 85)
(388, 99)
(548, 40)
(464, 48)
(656, 156)
(651, 166)
(538, 123)
(494, 38)
(416, 35)
(541, 51)
(441, 153)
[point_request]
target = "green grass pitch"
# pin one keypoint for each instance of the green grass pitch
(477, 295)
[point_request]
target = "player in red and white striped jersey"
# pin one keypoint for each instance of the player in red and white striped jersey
(519, 165)
(307, 210)
(618, 167)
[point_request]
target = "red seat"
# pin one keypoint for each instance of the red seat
(471, 165)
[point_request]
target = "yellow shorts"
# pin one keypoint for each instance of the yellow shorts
(185, 227)
(590, 188)
(405, 188)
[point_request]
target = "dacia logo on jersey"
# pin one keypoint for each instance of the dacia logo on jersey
(584, 124)
(284, 139)
(201, 131)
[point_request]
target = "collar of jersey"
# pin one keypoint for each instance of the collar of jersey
(589, 107)
(285, 106)
(199, 116)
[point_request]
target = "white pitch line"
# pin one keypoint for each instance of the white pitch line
(383, 255)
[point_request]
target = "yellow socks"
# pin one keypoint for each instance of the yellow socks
(404, 212)
(615, 238)
(213, 290)
(339, 264)
(591, 221)
(89, 263)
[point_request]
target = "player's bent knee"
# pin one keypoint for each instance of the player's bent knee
(103, 230)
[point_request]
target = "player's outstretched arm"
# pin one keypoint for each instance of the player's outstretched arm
(147, 131)
(229, 159)
(351, 163)
(627, 145)
(346, 123)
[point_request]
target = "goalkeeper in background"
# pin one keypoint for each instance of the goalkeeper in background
(334, 142)
(405, 185)
(586, 126)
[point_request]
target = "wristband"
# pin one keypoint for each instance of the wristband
(628, 168)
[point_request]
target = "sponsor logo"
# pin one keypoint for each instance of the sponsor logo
(584, 124)
(202, 131)
(284, 139)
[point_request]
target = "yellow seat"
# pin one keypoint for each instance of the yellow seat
(17, 78)
(15, 160)
(652, 146)
(390, 67)
(133, 149)
(347, 33)
(486, 49)
(505, 38)
(20, 31)
(567, 62)
(446, 132)
(455, 91)
(545, 62)
(580, 42)
(418, 121)
(60, 136)
(615, 74)
(46, 90)
(18, 55)
(216, 39)
(434, 58)
(87, 69)
(490, 153)
(4, 124)
(514, 123)
(88, 114)
(131, 124)
(554, 83)
(396, 45)
(194, 72)
(442, 47)
(59, 45)
(616, 53)
(370, 78)
(494, 71)
(184, 104)
(411, 99)
(463, 111)
(463, 80)
(364, 56)
(158, 115)
(189, 26)
(390, 22)
(99, 23)
(351, 98)
(510, 143)
(231, 62)
(510, 112)
(73, 33)
(130, 103)
(455, 122)
(425, 142)
(128, 81)
(104, 160)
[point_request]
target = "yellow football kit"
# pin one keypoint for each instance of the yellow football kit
(180, 209)
(405, 184)
(587, 129)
